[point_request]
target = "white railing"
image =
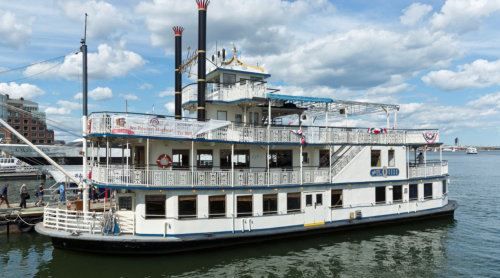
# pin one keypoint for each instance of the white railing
(160, 178)
(434, 168)
(72, 221)
(159, 126)
(247, 90)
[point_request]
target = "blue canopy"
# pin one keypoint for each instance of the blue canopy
(299, 98)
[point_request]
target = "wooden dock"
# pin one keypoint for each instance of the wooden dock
(17, 220)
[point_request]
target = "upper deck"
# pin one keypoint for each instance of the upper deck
(115, 124)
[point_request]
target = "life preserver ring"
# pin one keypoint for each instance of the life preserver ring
(164, 161)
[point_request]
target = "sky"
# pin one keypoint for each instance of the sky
(438, 60)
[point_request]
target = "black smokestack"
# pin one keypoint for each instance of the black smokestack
(178, 74)
(202, 45)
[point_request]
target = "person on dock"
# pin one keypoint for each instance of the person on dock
(4, 196)
(24, 195)
(62, 193)
(39, 195)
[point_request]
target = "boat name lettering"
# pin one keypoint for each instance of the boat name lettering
(384, 172)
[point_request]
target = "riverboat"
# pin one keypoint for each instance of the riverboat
(255, 164)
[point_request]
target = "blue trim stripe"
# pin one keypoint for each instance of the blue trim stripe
(299, 98)
(180, 187)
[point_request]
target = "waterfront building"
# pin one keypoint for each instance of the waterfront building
(25, 116)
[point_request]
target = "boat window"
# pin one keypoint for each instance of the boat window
(413, 192)
(336, 198)
(293, 202)
(270, 203)
(319, 199)
(256, 120)
(375, 158)
(241, 159)
(187, 206)
(180, 158)
(305, 157)
(204, 159)
(444, 187)
(228, 79)
(280, 159)
(155, 206)
(380, 194)
(391, 158)
(222, 115)
(324, 158)
(238, 118)
(125, 203)
(244, 206)
(397, 194)
(309, 200)
(427, 190)
(217, 206)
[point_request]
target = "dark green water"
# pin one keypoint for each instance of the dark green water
(468, 246)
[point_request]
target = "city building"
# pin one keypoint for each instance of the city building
(25, 117)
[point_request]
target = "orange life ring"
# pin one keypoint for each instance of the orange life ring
(164, 161)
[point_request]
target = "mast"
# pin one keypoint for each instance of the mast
(83, 49)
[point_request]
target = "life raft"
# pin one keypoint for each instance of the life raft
(164, 161)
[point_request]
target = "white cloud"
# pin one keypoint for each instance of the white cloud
(414, 13)
(463, 15)
(362, 58)
(146, 86)
(130, 97)
(107, 62)
(13, 31)
(65, 108)
(24, 90)
(170, 107)
(78, 96)
(166, 93)
(478, 74)
(101, 93)
(487, 101)
(104, 19)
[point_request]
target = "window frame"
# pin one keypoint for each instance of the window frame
(339, 203)
(217, 215)
(270, 198)
(294, 195)
(187, 198)
(322, 161)
(164, 203)
(200, 152)
(394, 193)
(377, 189)
(391, 154)
(379, 161)
(414, 185)
(246, 213)
(222, 112)
(426, 187)
(184, 153)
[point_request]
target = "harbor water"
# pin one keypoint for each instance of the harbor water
(468, 246)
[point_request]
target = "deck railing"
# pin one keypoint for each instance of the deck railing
(229, 92)
(126, 124)
(160, 178)
(428, 169)
(72, 220)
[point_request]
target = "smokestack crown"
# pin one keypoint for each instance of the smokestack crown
(202, 4)
(178, 30)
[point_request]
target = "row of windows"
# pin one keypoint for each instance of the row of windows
(187, 205)
(397, 192)
(376, 158)
(277, 158)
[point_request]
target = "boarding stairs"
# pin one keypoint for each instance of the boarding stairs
(341, 158)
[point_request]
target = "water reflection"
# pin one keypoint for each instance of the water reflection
(412, 249)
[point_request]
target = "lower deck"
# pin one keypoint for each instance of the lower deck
(202, 214)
